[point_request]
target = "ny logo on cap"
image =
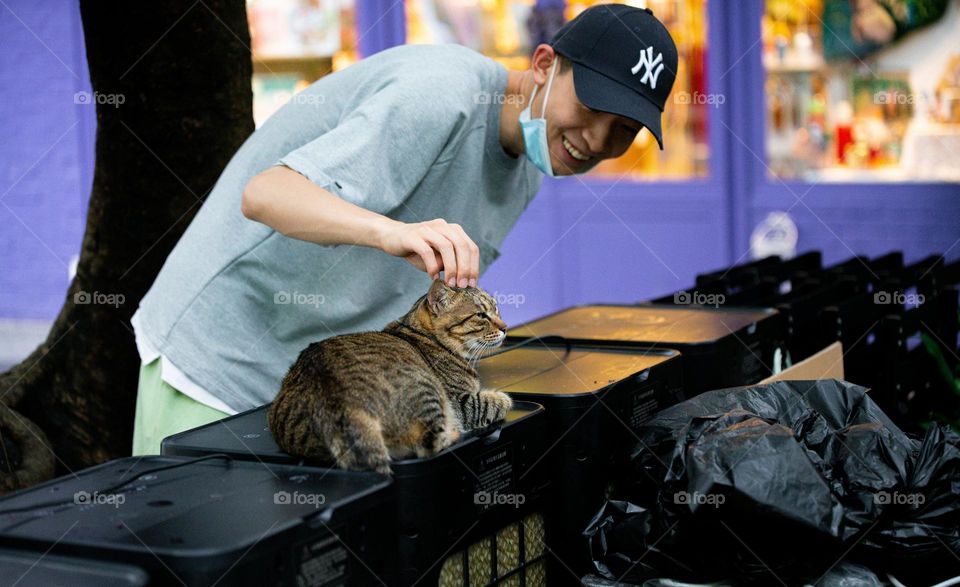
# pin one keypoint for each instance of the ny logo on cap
(647, 62)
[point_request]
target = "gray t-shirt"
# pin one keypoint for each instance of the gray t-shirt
(411, 133)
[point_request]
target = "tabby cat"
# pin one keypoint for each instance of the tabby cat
(408, 390)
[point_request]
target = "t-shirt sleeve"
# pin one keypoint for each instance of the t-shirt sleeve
(378, 153)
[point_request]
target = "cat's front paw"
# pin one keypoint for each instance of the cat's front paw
(494, 406)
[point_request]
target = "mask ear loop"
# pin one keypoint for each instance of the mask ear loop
(546, 96)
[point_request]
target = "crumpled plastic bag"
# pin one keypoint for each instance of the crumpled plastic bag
(781, 483)
(843, 575)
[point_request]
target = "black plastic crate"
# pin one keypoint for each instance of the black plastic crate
(26, 568)
(197, 522)
(469, 515)
(595, 401)
(720, 347)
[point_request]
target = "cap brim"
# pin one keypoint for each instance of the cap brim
(601, 93)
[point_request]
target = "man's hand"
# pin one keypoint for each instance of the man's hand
(435, 246)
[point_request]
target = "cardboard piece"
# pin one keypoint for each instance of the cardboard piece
(825, 364)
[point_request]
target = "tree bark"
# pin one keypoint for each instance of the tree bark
(172, 85)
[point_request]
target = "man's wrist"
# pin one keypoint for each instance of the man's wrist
(373, 236)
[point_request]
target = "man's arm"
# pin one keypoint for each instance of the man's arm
(298, 208)
(294, 206)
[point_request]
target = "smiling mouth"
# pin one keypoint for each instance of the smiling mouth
(573, 151)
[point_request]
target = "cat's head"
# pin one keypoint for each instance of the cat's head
(465, 319)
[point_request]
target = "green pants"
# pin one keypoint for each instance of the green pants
(162, 411)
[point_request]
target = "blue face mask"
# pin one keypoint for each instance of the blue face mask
(536, 145)
(534, 131)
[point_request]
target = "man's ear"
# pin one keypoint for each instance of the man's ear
(439, 298)
(541, 61)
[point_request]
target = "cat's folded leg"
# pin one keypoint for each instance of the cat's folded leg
(481, 408)
(495, 405)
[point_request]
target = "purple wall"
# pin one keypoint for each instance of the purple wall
(46, 153)
(380, 24)
(578, 242)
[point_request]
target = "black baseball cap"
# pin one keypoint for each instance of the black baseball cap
(624, 62)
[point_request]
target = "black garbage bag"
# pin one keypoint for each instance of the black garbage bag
(781, 483)
(843, 575)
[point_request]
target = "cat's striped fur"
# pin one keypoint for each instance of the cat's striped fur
(408, 390)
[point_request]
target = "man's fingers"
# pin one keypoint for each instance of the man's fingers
(474, 268)
(429, 259)
(462, 247)
(442, 244)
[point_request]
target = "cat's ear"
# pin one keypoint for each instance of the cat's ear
(439, 297)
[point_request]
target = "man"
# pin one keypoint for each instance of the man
(419, 155)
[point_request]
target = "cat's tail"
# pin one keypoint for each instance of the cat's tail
(356, 442)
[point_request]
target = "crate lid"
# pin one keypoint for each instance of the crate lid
(185, 512)
(247, 436)
(555, 371)
(661, 325)
(43, 568)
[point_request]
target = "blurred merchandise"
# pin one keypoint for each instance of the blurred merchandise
(790, 37)
(294, 28)
(862, 27)
(294, 43)
(948, 94)
(851, 96)
(931, 144)
(496, 28)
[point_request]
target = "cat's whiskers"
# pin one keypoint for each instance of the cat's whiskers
(471, 350)
(472, 354)
(477, 353)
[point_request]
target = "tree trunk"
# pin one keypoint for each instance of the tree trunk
(172, 85)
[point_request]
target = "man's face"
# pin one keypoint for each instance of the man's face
(577, 135)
